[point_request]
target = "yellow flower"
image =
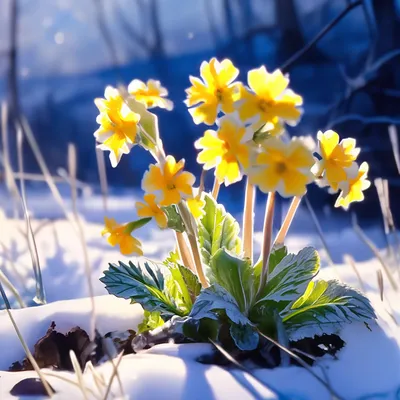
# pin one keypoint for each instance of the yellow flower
(168, 182)
(352, 189)
(225, 149)
(150, 209)
(336, 157)
(151, 95)
(196, 206)
(118, 125)
(271, 102)
(216, 91)
(283, 167)
(121, 235)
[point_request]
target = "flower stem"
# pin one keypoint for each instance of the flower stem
(267, 238)
(248, 220)
(280, 238)
(191, 230)
(184, 252)
(215, 189)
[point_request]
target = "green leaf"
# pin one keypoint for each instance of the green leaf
(183, 286)
(235, 275)
(137, 224)
(214, 299)
(151, 320)
(276, 256)
(290, 277)
(244, 336)
(213, 303)
(175, 221)
(143, 283)
(217, 229)
(173, 258)
(325, 307)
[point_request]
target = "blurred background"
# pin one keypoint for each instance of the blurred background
(56, 56)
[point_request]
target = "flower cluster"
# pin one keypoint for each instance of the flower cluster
(245, 137)
(336, 168)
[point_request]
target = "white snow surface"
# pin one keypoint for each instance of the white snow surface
(368, 367)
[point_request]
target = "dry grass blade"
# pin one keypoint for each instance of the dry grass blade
(101, 167)
(30, 237)
(303, 364)
(236, 363)
(42, 164)
(67, 380)
(72, 168)
(394, 140)
(379, 277)
(29, 355)
(348, 259)
(375, 251)
(79, 374)
(113, 375)
(6, 282)
(9, 176)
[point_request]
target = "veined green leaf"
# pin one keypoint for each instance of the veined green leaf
(217, 229)
(175, 221)
(143, 282)
(183, 286)
(216, 300)
(276, 256)
(151, 320)
(326, 305)
(235, 275)
(290, 277)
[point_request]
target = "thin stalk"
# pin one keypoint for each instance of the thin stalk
(113, 375)
(267, 238)
(215, 189)
(294, 205)
(184, 252)
(101, 166)
(348, 259)
(6, 282)
(190, 225)
(375, 251)
(248, 220)
(72, 168)
(28, 353)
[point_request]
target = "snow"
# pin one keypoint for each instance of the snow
(369, 364)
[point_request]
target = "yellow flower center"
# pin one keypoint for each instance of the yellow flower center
(171, 186)
(263, 105)
(280, 167)
(219, 94)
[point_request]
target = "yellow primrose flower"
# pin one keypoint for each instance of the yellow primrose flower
(169, 182)
(118, 125)
(283, 167)
(150, 209)
(121, 235)
(216, 91)
(352, 189)
(151, 94)
(270, 101)
(336, 157)
(196, 206)
(226, 149)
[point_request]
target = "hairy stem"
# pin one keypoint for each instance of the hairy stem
(280, 238)
(267, 238)
(191, 230)
(215, 189)
(248, 220)
(184, 252)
